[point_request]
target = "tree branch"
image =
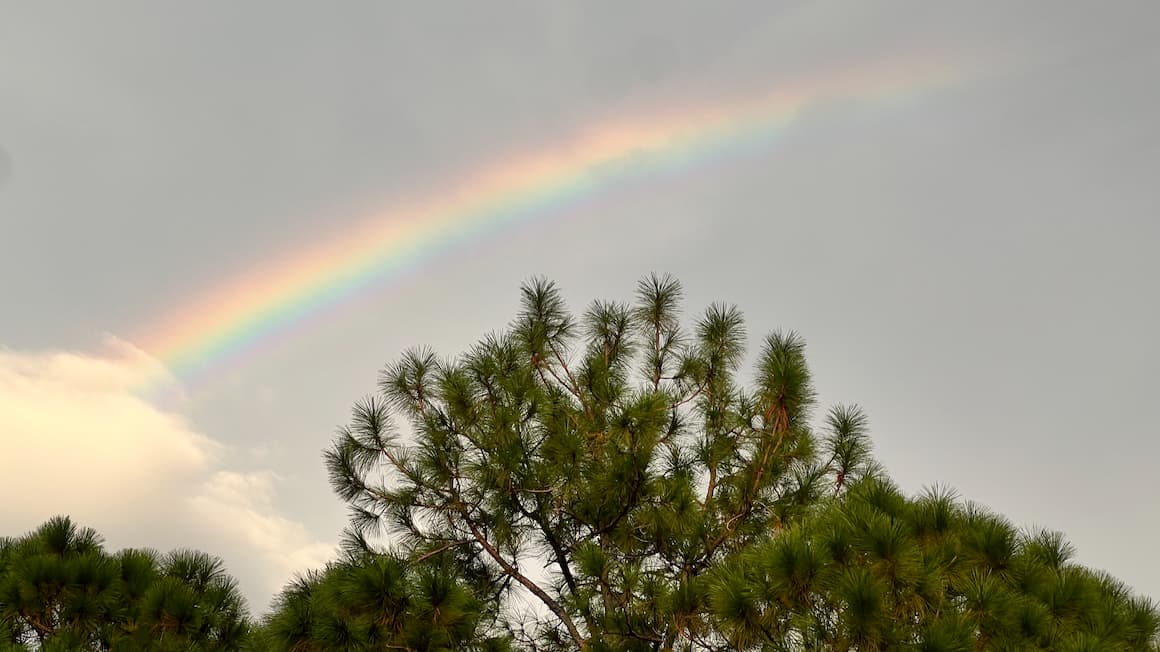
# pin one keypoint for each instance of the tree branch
(781, 427)
(538, 518)
(540, 593)
(447, 546)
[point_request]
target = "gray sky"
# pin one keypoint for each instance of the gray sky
(975, 267)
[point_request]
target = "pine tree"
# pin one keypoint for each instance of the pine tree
(375, 603)
(60, 590)
(608, 483)
(878, 571)
(596, 466)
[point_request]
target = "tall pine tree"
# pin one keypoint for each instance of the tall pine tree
(608, 482)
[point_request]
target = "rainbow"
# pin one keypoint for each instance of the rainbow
(233, 320)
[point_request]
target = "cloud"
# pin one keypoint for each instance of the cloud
(242, 506)
(79, 438)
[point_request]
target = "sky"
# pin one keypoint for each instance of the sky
(970, 255)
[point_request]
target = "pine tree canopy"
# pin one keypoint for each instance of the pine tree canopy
(61, 591)
(609, 481)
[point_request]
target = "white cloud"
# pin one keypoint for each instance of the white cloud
(241, 506)
(78, 438)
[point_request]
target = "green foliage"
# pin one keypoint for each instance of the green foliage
(613, 471)
(377, 603)
(621, 448)
(876, 571)
(59, 590)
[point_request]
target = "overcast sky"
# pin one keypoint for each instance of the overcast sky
(976, 267)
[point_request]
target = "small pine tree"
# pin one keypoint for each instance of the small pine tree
(60, 590)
